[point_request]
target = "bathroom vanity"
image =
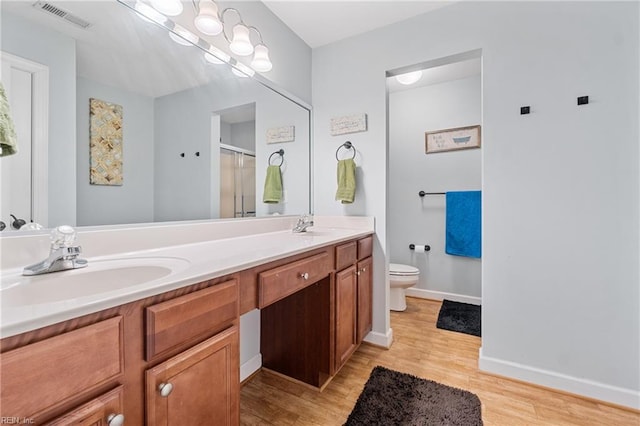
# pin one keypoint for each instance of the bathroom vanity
(169, 355)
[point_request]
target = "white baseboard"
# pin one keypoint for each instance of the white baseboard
(441, 295)
(250, 367)
(588, 388)
(380, 339)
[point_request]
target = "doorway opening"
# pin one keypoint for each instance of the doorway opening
(237, 130)
(434, 97)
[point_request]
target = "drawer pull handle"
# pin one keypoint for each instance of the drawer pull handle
(165, 389)
(304, 275)
(115, 419)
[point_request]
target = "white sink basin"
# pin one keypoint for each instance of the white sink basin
(100, 276)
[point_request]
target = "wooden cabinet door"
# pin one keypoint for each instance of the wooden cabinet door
(201, 385)
(365, 297)
(346, 306)
(102, 411)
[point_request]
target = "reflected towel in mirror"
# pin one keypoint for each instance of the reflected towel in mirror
(273, 185)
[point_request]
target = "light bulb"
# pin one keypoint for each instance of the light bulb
(183, 36)
(261, 62)
(207, 21)
(241, 43)
(241, 70)
(409, 78)
(150, 14)
(167, 7)
(216, 56)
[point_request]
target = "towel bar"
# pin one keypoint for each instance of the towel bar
(346, 145)
(422, 193)
(280, 152)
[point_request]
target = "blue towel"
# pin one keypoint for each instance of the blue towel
(463, 233)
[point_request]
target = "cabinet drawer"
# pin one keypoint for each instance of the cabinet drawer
(191, 317)
(346, 255)
(278, 283)
(39, 376)
(365, 247)
(95, 412)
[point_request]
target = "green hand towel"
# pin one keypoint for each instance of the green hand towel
(273, 185)
(346, 181)
(8, 138)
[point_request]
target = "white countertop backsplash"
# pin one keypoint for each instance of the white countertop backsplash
(206, 249)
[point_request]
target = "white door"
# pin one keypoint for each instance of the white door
(16, 169)
(23, 176)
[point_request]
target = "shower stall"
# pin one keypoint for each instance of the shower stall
(237, 182)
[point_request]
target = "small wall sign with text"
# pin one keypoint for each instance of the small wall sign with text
(452, 139)
(281, 134)
(348, 124)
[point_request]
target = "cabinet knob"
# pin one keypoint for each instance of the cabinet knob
(304, 275)
(115, 419)
(165, 389)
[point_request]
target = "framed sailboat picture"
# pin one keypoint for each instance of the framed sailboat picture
(452, 139)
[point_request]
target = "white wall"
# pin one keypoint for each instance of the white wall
(133, 201)
(243, 135)
(560, 186)
(58, 52)
(421, 220)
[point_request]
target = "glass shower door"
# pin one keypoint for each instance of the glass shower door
(237, 184)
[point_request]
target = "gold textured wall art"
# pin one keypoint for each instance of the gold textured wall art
(105, 132)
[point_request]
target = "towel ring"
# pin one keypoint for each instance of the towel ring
(281, 154)
(346, 145)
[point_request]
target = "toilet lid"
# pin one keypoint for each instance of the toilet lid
(399, 269)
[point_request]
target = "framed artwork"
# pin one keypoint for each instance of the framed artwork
(452, 139)
(105, 150)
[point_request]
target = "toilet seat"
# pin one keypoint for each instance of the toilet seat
(401, 270)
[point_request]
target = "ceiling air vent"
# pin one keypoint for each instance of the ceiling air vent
(60, 13)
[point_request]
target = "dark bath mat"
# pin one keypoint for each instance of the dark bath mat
(460, 317)
(392, 398)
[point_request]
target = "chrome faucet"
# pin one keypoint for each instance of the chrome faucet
(63, 255)
(304, 222)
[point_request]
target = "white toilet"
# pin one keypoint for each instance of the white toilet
(401, 277)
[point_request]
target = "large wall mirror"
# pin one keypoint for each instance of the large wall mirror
(194, 133)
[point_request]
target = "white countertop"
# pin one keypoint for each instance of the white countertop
(33, 302)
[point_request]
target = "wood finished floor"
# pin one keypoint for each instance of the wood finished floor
(421, 349)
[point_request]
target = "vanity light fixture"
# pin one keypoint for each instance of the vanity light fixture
(261, 62)
(207, 21)
(409, 78)
(241, 42)
(167, 7)
(211, 22)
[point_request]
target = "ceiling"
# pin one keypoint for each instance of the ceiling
(440, 74)
(323, 22)
(104, 48)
